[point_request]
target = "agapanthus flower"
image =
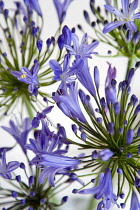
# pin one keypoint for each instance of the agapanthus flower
(82, 49)
(103, 190)
(34, 5)
(52, 164)
(127, 16)
(61, 8)
(85, 78)
(28, 76)
(6, 169)
(41, 115)
(65, 74)
(68, 102)
(19, 130)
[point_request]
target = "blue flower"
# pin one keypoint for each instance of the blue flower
(53, 163)
(127, 16)
(34, 5)
(65, 74)
(27, 76)
(85, 78)
(135, 204)
(82, 49)
(68, 102)
(61, 8)
(103, 190)
(19, 131)
(5, 170)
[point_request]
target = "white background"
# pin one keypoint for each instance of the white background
(74, 17)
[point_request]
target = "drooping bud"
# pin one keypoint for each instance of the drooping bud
(61, 41)
(117, 108)
(39, 45)
(74, 128)
(129, 136)
(129, 36)
(111, 128)
(106, 154)
(6, 13)
(31, 181)
(96, 77)
(86, 15)
(95, 154)
(130, 76)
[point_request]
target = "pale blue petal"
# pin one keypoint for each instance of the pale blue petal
(12, 166)
(125, 7)
(114, 11)
(110, 26)
(136, 16)
(131, 25)
(132, 8)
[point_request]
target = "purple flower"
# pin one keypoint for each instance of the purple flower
(34, 5)
(5, 170)
(82, 49)
(85, 78)
(53, 163)
(61, 8)
(68, 102)
(103, 190)
(27, 76)
(41, 115)
(19, 130)
(127, 16)
(135, 204)
(65, 74)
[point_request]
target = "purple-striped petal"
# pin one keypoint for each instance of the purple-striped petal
(12, 166)
(110, 26)
(114, 11)
(133, 6)
(136, 16)
(131, 25)
(125, 7)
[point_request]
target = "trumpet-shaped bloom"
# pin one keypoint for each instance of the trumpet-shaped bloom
(61, 8)
(103, 190)
(68, 102)
(6, 169)
(19, 131)
(53, 163)
(34, 5)
(67, 71)
(135, 203)
(127, 16)
(27, 76)
(82, 49)
(85, 78)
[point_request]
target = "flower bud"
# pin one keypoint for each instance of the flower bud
(129, 136)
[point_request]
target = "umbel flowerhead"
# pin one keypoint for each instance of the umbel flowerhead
(110, 129)
(35, 190)
(117, 24)
(24, 57)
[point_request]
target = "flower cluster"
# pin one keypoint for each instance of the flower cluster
(106, 123)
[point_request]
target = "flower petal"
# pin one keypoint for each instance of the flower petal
(114, 11)
(131, 25)
(12, 166)
(136, 16)
(110, 26)
(125, 7)
(132, 8)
